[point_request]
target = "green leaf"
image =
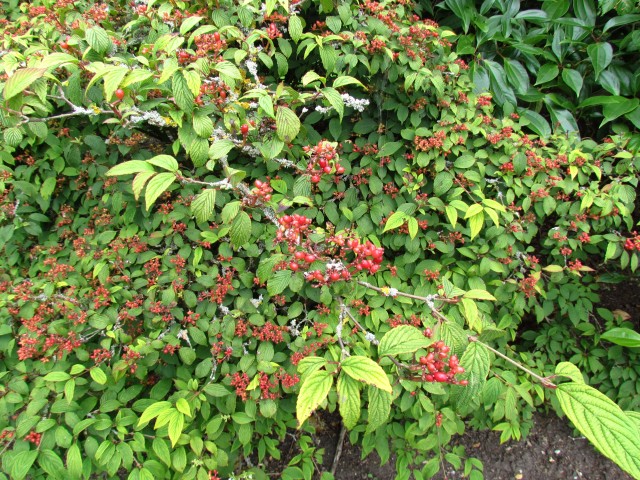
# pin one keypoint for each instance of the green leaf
(135, 76)
(48, 187)
(442, 183)
(157, 186)
(601, 55)
(202, 125)
(546, 73)
(152, 411)
(295, 27)
(13, 136)
(161, 449)
(312, 393)
(188, 23)
(343, 80)
(367, 371)
(349, 400)
(166, 162)
(182, 93)
(240, 229)
(220, 148)
(389, 148)
(476, 363)
(310, 364)
(622, 336)
(98, 375)
(287, 124)
(216, 390)
(473, 210)
(537, 122)
(74, 461)
(621, 20)
(176, 424)
(603, 423)
(470, 313)
(402, 339)
(52, 464)
(517, 75)
(413, 226)
(183, 406)
(452, 215)
(20, 80)
(203, 205)
(22, 464)
(614, 110)
(132, 166)
(335, 100)
(396, 220)
(475, 224)
(278, 282)
(379, 408)
(98, 39)
(478, 294)
(569, 370)
(139, 181)
(573, 79)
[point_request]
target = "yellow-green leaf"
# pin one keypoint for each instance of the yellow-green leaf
(603, 422)
(402, 339)
(157, 186)
(20, 80)
(287, 124)
(348, 400)
(365, 370)
(312, 393)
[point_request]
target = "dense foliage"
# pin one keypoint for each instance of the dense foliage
(573, 64)
(324, 213)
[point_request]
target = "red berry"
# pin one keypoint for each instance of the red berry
(315, 178)
(64, 45)
(440, 377)
(334, 276)
(244, 129)
(294, 266)
(216, 36)
(339, 169)
(119, 94)
(310, 258)
(423, 360)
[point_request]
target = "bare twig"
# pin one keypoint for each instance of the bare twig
(336, 457)
(543, 380)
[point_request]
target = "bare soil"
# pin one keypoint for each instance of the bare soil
(552, 451)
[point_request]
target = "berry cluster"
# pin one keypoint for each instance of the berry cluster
(260, 194)
(292, 227)
(368, 258)
(34, 437)
(437, 367)
(323, 160)
(632, 243)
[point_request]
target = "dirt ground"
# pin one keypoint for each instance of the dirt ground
(550, 452)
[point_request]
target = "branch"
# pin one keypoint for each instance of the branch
(543, 380)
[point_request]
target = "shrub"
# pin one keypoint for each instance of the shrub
(323, 214)
(566, 65)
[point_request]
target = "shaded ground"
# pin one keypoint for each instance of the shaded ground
(550, 452)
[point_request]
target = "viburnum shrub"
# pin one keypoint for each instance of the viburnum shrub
(323, 213)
